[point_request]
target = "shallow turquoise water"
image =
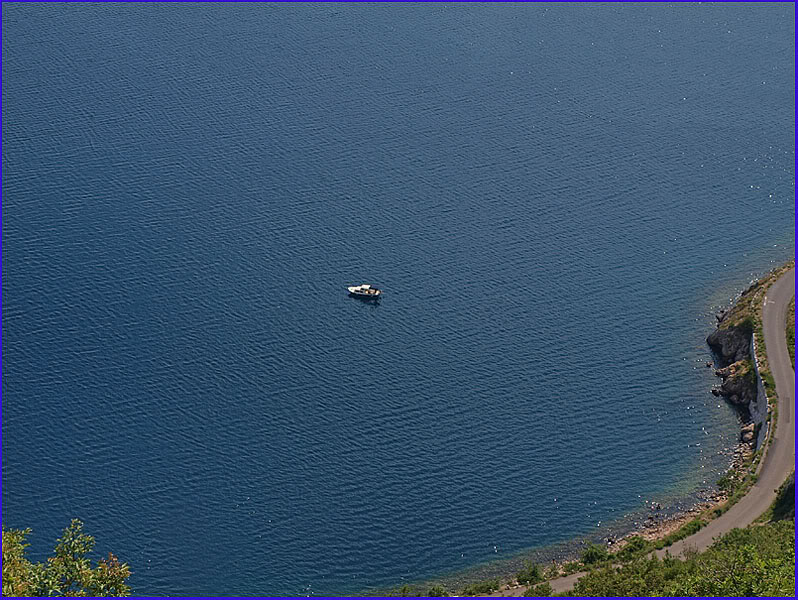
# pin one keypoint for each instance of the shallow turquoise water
(555, 199)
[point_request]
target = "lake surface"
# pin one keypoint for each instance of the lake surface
(554, 198)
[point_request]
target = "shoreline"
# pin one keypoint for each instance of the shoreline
(676, 509)
(658, 524)
(752, 455)
(709, 502)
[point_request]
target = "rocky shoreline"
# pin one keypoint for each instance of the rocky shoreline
(731, 343)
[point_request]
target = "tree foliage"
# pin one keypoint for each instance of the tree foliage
(67, 573)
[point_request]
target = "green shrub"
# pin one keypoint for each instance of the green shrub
(437, 591)
(684, 531)
(746, 325)
(635, 546)
(531, 573)
(728, 482)
(594, 554)
(403, 592)
(540, 591)
(572, 567)
(552, 572)
(481, 587)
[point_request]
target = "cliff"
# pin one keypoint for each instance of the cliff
(732, 343)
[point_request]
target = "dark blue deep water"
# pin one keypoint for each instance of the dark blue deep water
(555, 199)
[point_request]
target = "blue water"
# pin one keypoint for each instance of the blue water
(555, 199)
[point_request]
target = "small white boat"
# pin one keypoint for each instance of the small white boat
(365, 291)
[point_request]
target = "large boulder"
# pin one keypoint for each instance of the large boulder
(731, 344)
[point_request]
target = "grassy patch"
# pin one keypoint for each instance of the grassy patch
(746, 314)
(768, 382)
(684, 531)
(783, 507)
(748, 372)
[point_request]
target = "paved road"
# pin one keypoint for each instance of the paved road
(780, 458)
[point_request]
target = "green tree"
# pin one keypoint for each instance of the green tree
(437, 591)
(67, 573)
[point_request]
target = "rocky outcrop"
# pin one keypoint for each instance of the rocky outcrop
(739, 383)
(730, 345)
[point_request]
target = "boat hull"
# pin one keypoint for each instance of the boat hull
(361, 296)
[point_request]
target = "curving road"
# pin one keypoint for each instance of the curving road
(780, 458)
